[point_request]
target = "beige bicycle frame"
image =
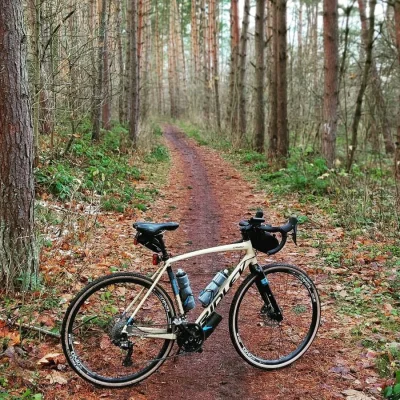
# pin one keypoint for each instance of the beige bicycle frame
(248, 259)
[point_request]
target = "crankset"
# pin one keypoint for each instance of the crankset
(190, 337)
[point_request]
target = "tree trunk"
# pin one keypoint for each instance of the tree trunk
(397, 28)
(281, 78)
(146, 71)
(259, 127)
(34, 8)
(121, 108)
(377, 85)
(331, 90)
(300, 35)
(18, 258)
(134, 75)
(206, 65)
(106, 108)
(214, 50)
(99, 89)
(159, 61)
(364, 82)
(242, 72)
(232, 115)
(272, 87)
(316, 83)
(194, 40)
(172, 81)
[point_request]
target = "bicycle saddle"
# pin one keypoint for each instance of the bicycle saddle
(155, 229)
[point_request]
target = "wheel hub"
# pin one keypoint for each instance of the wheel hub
(115, 330)
(268, 316)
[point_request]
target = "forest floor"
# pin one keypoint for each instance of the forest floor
(208, 197)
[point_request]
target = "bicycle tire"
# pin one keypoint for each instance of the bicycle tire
(91, 322)
(254, 334)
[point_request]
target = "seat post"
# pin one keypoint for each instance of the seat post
(165, 254)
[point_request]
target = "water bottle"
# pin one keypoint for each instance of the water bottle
(207, 295)
(185, 291)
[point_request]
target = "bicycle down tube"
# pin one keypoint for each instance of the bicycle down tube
(249, 258)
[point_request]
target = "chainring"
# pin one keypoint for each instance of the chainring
(190, 337)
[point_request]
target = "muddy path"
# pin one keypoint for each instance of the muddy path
(214, 373)
(211, 197)
(208, 197)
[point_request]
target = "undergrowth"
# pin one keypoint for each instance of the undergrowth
(362, 200)
(104, 172)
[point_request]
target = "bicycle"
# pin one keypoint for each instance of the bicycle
(120, 328)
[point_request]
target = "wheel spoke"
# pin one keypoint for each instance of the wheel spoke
(269, 344)
(93, 331)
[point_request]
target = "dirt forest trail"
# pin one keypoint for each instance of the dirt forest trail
(208, 197)
(211, 197)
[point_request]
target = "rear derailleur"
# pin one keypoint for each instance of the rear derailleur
(120, 339)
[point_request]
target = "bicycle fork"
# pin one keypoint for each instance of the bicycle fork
(270, 305)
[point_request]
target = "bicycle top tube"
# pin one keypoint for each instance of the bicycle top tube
(242, 246)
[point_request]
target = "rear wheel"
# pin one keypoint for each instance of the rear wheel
(257, 336)
(92, 337)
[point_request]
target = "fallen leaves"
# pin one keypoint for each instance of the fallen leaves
(356, 395)
(56, 377)
(13, 338)
(50, 358)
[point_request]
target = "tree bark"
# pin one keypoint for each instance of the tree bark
(259, 125)
(34, 8)
(134, 75)
(377, 85)
(106, 107)
(18, 258)
(397, 29)
(121, 108)
(364, 82)
(206, 64)
(272, 87)
(214, 50)
(159, 61)
(172, 64)
(281, 78)
(99, 88)
(331, 81)
(232, 114)
(242, 72)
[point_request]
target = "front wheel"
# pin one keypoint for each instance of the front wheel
(258, 337)
(92, 332)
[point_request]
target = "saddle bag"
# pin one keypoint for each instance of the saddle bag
(151, 242)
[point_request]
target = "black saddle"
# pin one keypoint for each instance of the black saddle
(149, 228)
